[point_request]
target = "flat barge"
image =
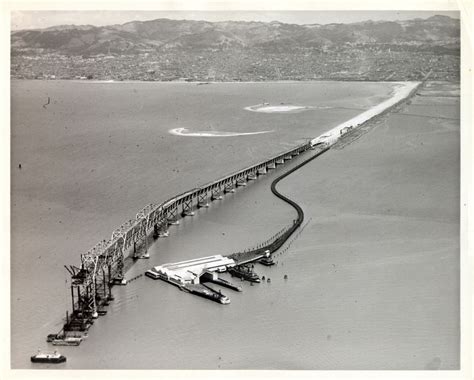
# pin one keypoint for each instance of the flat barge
(209, 293)
(226, 284)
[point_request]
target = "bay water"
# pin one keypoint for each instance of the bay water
(373, 279)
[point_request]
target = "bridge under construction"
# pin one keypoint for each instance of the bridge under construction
(103, 265)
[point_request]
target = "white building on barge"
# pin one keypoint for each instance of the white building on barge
(190, 271)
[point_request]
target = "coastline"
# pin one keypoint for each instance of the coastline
(108, 81)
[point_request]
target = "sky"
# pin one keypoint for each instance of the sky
(44, 19)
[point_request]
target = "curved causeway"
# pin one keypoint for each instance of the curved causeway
(280, 239)
(292, 203)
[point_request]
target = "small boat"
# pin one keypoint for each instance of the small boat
(268, 261)
(244, 273)
(145, 255)
(51, 337)
(69, 341)
(153, 274)
(45, 357)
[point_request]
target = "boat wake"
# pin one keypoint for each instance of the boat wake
(186, 132)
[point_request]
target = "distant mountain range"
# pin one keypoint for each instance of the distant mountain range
(164, 35)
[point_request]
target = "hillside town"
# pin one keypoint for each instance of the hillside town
(344, 63)
(186, 50)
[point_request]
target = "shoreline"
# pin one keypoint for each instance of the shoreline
(203, 82)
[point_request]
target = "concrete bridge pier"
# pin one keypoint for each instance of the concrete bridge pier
(203, 200)
(240, 181)
(162, 227)
(271, 165)
(287, 157)
(172, 215)
(216, 193)
(280, 161)
(229, 187)
(187, 207)
(262, 170)
(156, 231)
(252, 176)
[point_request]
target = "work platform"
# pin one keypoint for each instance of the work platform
(190, 276)
(191, 271)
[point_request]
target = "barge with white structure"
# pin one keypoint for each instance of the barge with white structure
(190, 275)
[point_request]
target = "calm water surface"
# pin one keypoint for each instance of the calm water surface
(373, 279)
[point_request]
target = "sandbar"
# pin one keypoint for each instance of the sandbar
(186, 132)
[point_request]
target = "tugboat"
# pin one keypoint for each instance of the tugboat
(244, 273)
(267, 259)
(44, 357)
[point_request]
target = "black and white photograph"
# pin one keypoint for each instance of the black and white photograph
(261, 189)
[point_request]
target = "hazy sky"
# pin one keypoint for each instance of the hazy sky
(44, 19)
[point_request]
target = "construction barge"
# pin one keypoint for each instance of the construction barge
(191, 276)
